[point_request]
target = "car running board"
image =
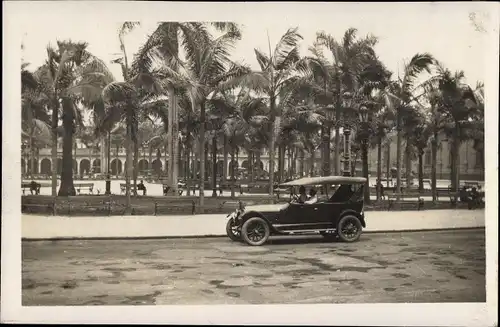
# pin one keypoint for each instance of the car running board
(308, 231)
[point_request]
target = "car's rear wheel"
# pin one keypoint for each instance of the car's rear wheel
(232, 231)
(349, 228)
(255, 231)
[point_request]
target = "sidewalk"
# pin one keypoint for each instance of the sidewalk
(54, 227)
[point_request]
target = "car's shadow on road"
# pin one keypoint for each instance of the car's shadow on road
(282, 240)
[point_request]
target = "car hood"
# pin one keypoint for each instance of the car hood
(266, 207)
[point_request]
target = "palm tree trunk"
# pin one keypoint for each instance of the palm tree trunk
(257, 161)
(379, 166)
(455, 165)
(136, 163)
(188, 165)
(55, 121)
(31, 153)
(326, 151)
(388, 168)
(150, 161)
(398, 158)
(116, 160)
(408, 163)
(207, 171)
(301, 162)
(202, 155)
(129, 169)
(175, 140)
(232, 171)
(67, 188)
(313, 159)
(226, 155)
(364, 155)
(337, 136)
(158, 157)
(214, 165)
(434, 166)
(276, 121)
(420, 170)
(251, 165)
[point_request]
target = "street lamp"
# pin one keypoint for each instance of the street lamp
(363, 117)
(348, 100)
(108, 175)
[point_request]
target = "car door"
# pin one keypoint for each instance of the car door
(290, 217)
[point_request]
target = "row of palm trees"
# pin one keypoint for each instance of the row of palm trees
(184, 77)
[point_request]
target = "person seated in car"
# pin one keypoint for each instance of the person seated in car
(141, 187)
(313, 198)
(302, 195)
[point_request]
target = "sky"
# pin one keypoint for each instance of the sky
(454, 33)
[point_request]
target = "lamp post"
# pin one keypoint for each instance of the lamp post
(364, 119)
(108, 175)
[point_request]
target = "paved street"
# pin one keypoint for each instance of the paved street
(383, 267)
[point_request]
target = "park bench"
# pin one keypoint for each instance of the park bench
(123, 188)
(27, 185)
(87, 186)
(445, 191)
(406, 199)
(167, 187)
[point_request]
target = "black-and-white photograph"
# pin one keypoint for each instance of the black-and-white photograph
(264, 159)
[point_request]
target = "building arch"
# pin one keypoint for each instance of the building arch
(35, 166)
(96, 166)
(84, 167)
(46, 166)
(115, 167)
(245, 164)
(142, 165)
(157, 166)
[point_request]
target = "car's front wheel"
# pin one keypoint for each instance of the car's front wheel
(349, 228)
(255, 231)
(232, 231)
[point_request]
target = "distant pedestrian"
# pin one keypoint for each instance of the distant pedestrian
(380, 188)
(141, 187)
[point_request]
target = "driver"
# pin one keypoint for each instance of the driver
(302, 195)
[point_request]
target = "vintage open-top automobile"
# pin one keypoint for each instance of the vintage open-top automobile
(339, 215)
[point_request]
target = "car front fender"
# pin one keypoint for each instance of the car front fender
(250, 214)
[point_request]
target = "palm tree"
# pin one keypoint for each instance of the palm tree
(165, 43)
(350, 57)
(282, 72)
(34, 117)
(422, 133)
(458, 106)
(70, 77)
(400, 97)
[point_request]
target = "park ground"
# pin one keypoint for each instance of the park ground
(432, 266)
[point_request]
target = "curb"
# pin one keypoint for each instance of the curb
(118, 238)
